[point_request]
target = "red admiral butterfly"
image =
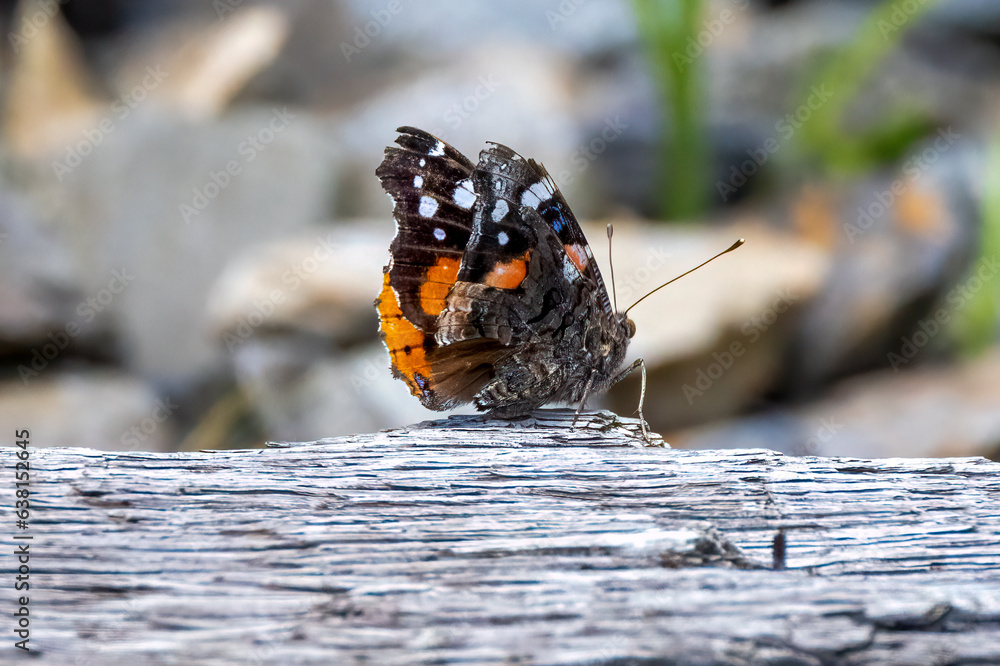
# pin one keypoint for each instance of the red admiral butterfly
(491, 294)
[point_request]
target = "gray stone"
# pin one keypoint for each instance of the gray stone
(951, 410)
(170, 203)
(297, 322)
(104, 410)
(321, 280)
(37, 287)
(898, 243)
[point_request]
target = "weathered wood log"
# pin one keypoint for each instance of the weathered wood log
(473, 541)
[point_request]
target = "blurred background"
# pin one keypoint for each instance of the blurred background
(192, 234)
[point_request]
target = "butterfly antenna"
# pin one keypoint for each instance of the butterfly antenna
(727, 250)
(611, 263)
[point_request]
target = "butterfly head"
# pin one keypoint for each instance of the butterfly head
(626, 325)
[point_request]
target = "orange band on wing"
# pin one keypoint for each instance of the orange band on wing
(578, 256)
(509, 274)
(437, 283)
(404, 341)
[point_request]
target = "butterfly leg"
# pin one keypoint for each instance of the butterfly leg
(637, 363)
(583, 400)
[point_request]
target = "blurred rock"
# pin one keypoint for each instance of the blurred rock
(546, 81)
(297, 320)
(578, 28)
(301, 389)
(321, 281)
(132, 186)
(196, 195)
(38, 294)
(943, 411)
(108, 411)
(197, 67)
(898, 244)
(50, 97)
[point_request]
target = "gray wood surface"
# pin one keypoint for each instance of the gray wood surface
(481, 542)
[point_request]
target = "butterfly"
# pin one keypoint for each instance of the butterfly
(491, 294)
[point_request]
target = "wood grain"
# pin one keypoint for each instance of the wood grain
(484, 542)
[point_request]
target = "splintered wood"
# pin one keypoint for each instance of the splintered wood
(486, 542)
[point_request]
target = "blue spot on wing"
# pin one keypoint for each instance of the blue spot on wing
(559, 218)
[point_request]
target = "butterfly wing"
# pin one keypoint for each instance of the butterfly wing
(525, 240)
(488, 262)
(431, 188)
(433, 196)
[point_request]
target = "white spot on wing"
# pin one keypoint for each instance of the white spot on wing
(543, 189)
(437, 150)
(502, 238)
(570, 271)
(463, 196)
(536, 194)
(418, 182)
(423, 162)
(428, 206)
(500, 210)
(439, 233)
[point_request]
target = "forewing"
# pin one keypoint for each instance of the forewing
(430, 184)
(527, 264)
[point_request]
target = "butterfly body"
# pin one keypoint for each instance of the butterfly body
(491, 294)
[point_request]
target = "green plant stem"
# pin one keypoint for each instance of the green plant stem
(823, 137)
(668, 30)
(975, 326)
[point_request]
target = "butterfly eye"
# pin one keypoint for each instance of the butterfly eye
(629, 327)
